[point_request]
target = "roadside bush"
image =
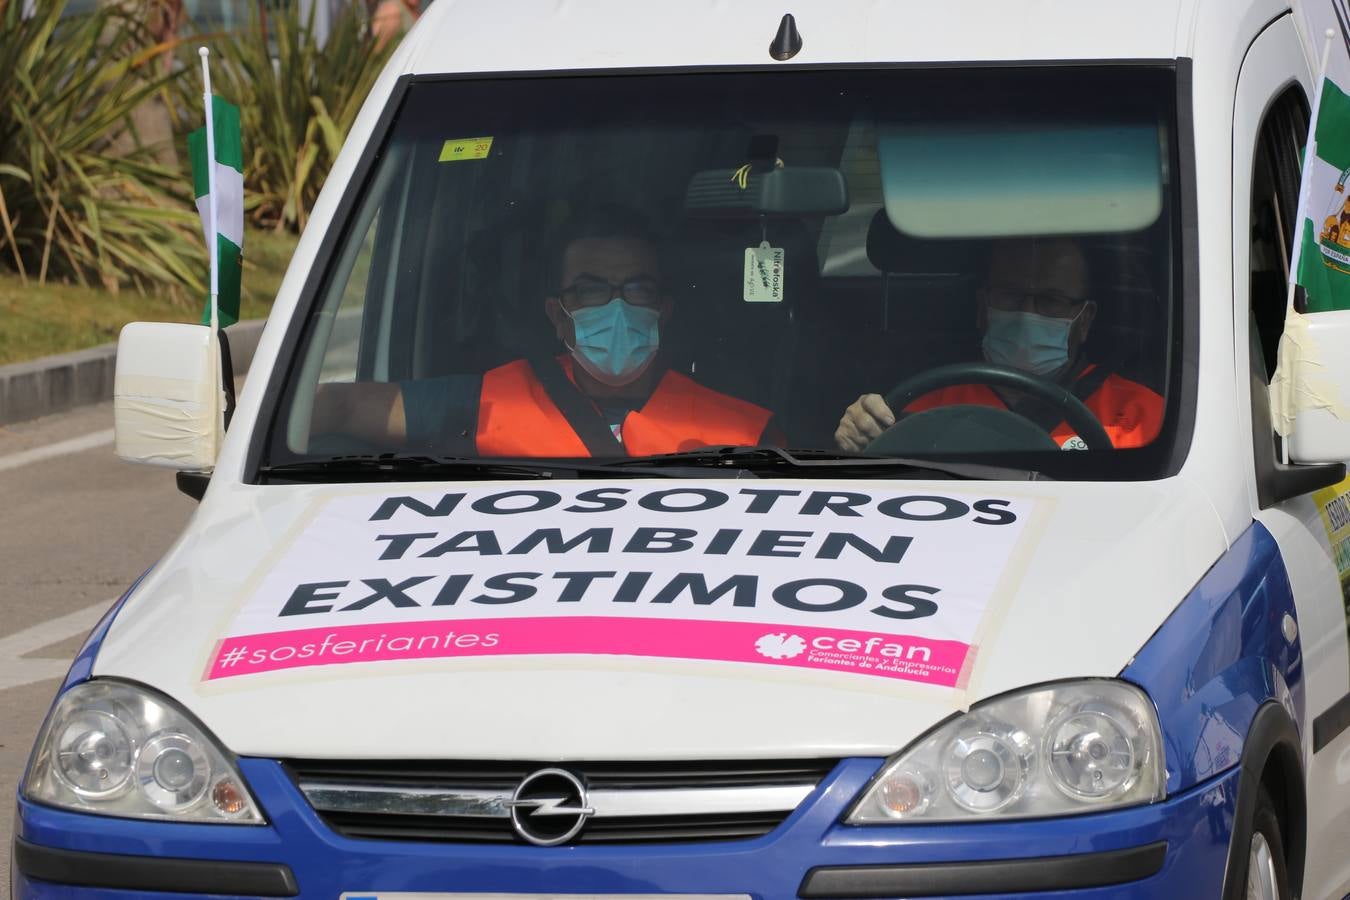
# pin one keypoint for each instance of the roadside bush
(296, 102)
(78, 199)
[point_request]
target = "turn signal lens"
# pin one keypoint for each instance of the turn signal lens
(906, 793)
(229, 798)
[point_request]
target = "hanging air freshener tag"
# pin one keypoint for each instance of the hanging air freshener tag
(763, 274)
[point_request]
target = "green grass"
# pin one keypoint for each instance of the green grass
(57, 318)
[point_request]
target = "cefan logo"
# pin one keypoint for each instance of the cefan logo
(780, 646)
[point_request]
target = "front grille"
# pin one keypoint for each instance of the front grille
(598, 775)
(417, 800)
(619, 830)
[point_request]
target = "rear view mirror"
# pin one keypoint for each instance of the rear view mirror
(748, 193)
(167, 396)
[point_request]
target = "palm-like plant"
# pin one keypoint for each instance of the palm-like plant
(77, 198)
(297, 99)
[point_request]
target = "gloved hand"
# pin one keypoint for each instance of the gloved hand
(863, 422)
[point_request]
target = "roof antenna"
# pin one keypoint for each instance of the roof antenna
(788, 41)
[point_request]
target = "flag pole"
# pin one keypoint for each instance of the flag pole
(212, 244)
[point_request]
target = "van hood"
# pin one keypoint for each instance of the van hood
(645, 619)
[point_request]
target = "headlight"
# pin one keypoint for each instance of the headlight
(117, 750)
(1068, 748)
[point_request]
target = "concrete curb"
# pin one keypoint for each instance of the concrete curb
(53, 384)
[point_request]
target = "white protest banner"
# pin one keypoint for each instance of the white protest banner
(888, 583)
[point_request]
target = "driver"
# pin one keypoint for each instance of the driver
(609, 310)
(1033, 314)
(611, 394)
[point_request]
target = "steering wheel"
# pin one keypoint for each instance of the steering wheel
(974, 428)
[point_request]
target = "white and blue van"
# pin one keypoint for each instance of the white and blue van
(461, 617)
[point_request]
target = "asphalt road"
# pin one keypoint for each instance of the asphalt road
(77, 526)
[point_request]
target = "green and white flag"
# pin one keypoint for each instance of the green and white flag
(1322, 254)
(1320, 257)
(223, 180)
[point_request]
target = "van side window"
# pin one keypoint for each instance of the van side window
(1274, 210)
(1274, 206)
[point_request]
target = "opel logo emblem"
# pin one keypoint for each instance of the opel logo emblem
(549, 807)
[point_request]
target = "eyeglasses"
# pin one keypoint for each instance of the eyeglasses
(594, 292)
(1045, 303)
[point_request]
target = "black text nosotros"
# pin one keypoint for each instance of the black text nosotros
(754, 501)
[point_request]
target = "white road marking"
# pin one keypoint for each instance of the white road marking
(15, 670)
(60, 448)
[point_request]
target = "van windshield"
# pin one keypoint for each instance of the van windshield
(842, 267)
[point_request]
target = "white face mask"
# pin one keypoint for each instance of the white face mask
(1026, 340)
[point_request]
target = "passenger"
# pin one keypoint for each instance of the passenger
(611, 394)
(1033, 314)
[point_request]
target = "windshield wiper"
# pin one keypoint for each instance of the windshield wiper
(729, 461)
(400, 467)
(825, 463)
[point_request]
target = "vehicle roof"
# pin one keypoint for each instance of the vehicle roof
(530, 35)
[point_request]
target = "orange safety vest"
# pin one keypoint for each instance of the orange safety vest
(516, 417)
(1131, 413)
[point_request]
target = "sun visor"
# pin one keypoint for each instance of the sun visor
(954, 180)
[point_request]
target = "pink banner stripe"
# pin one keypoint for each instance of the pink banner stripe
(860, 652)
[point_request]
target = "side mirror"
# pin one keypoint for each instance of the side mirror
(167, 396)
(1311, 390)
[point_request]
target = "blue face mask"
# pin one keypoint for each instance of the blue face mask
(615, 343)
(1027, 341)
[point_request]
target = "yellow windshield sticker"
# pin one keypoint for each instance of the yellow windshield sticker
(465, 148)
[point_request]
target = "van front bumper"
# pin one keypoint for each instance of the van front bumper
(1174, 848)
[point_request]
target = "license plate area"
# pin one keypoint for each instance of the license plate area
(403, 895)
